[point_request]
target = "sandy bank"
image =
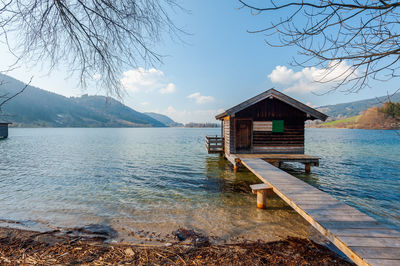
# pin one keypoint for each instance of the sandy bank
(29, 247)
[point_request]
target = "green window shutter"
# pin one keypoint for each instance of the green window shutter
(277, 126)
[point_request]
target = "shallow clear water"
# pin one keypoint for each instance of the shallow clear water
(160, 179)
(360, 167)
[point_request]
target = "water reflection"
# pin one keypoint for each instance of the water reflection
(219, 169)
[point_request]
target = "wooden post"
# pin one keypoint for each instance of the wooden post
(261, 199)
(275, 163)
(262, 190)
(236, 165)
(308, 167)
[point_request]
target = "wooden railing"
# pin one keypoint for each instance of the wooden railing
(215, 144)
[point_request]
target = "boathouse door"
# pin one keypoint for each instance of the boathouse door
(243, 135)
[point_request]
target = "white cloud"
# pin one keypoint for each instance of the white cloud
(170, 88)
(140, 79)
(144, 103)
(96, 76)
(176, 115)
(200, 99)
(170, 110)
(283, 75)
(311, 79)
(311, 105)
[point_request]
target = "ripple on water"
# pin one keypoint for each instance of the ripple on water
(161, 179)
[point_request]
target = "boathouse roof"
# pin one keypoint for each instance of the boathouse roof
(272, 93)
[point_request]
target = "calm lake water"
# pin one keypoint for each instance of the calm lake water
(159, 179)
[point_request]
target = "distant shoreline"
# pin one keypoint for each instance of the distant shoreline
(332, 127)
(307, 126)
(11, 126)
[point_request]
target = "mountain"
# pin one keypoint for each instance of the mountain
(39, 108)
(344, 110)
(164, 119)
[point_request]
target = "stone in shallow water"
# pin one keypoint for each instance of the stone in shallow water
(197, 239)
(96, 230)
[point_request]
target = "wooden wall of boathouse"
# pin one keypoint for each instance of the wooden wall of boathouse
(228, 136)
(3, 130)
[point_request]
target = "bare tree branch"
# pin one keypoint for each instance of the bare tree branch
(4, 98)
(94, 37)
(364, 34)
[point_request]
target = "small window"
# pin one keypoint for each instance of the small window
(277, 126)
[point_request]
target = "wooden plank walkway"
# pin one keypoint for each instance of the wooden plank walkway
(363, 239)
(301, 158)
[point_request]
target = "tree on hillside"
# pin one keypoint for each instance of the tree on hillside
(94, 38)
(6, 97)
(331, 34)
(391, 109)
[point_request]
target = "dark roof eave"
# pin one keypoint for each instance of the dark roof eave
(313, 113)
(221, 116)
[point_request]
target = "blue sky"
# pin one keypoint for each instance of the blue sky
(217, 66)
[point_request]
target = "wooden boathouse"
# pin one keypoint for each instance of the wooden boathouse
(268, 126)
(4, 129)
(270, 122)
(268, 129)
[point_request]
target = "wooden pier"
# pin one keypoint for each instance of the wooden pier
(360, 237)
(268, 130)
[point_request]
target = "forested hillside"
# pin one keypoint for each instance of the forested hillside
(39, 108)
(350, 109)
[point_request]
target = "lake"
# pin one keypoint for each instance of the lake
(160, 179)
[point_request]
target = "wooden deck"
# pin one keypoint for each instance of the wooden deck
(276, 159)
(214, 144)
(300, 158)
(363, 239)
